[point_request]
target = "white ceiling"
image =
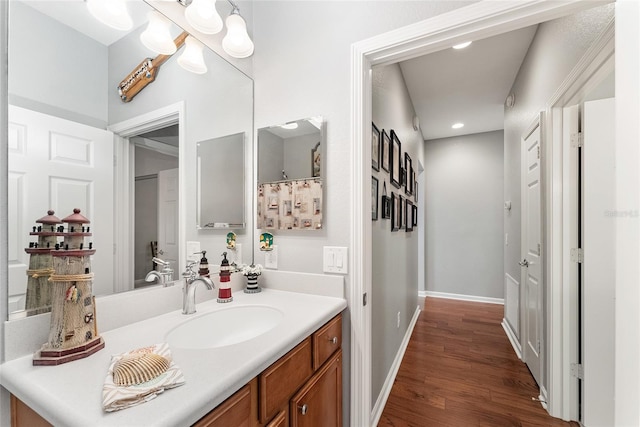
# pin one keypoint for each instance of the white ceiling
(74, 13)
(468, 85)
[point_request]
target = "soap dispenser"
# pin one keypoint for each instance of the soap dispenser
(204, 265)
(224, 290)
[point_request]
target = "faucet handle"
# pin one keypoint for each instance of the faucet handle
(160, 262)
(189, 272)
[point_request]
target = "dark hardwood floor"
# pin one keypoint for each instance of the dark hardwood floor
(460, 370)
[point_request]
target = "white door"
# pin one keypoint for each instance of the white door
(532, 249)
(168, 192)
(598, 268)
(61, 165)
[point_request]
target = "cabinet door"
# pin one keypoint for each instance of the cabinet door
(279, 421)
(239, 410)
(319, 402)
(24, 416)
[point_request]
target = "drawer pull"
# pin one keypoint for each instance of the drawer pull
(303, 409)
(334, 340)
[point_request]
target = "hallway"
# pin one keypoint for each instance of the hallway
(460, 370)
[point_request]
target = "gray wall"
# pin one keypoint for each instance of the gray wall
(297, 155)
(78, 63)
(555, 50)
(464, 214)
(394, 254)
(5, 411)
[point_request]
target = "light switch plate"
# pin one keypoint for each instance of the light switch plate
(335, 259)
(271, 258)
(192, 249)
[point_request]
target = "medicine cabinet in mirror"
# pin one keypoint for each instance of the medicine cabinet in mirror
(220, 196)
(290, 175)
(91, 157)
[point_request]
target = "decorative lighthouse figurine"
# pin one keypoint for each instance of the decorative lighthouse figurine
(73, 332)
(40, 264)
(224, 291)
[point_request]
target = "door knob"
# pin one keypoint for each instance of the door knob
(161, 252)
(524, 263)
(303, 409)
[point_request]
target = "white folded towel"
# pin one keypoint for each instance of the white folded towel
(116, 397)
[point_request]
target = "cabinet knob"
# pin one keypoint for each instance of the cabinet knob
(334, 340)
(303, 409)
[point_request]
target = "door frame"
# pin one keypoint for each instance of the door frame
(124, 206)
(476, 21)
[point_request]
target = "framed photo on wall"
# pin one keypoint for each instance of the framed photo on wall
(408, 215)
(316, 161)
(375, 147)
(408, 167)
(395, 162)
(394, 212)
(414, 215)
(374, 198)
(386, 146)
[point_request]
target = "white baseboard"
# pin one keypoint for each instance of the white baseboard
(472, 298)
(512, 338)
(542, 398)
(376, 413)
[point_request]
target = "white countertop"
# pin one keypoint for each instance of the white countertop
(71, 394)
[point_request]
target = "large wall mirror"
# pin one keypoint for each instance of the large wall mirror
(65, 122)
(290, 172)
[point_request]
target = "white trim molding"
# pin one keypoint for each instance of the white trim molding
(513, 338)
(461, 297)
(378, 408)
(476, 21)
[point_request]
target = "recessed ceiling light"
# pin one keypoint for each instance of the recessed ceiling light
(289, 126)
(462, 45)
(457, 125)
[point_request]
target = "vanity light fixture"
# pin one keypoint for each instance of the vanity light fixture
(462, 45)
(202, 15)
(457, 125)
(237, 42)
(192, 58)
(290, 126)
(157, 36)
(112, 13)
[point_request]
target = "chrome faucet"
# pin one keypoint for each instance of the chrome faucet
(164, 277)
(191, 279)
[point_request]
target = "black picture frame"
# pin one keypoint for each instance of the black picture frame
(408, 220)
(415, 191)
(386, 147)
(385, 207)
(394, 212)
(408, 182)
(374, 198)
(414, 216)
(395, 162)
(375, 147)
(316, 161)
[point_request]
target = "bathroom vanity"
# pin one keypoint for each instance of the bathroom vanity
(285, 376)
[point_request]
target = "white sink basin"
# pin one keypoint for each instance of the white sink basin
(224, 327)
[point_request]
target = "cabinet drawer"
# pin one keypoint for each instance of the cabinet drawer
(326, 340)
(281, 420)
(279, 381)
(238, 410)
(319, 402)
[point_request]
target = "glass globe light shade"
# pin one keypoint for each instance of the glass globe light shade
(237, 42)
(202, 15)
(157, 36)
(192, 58)
(112, 13)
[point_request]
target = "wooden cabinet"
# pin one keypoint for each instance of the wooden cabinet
(22, 415)
(281, 380)
(239, 410)
(326, 341)
(280, 420)
(319, 402)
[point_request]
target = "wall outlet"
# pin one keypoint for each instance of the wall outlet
(192, 251)
(398, 321)
(271, 258)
